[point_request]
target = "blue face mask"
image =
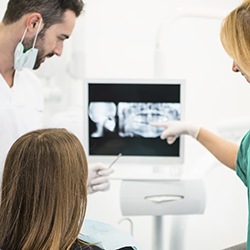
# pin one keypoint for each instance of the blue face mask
(26, 59)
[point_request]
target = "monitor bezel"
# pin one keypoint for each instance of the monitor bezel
(152, 161)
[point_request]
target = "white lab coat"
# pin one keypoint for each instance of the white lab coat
(21, 109)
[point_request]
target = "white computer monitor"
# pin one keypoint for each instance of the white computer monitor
(117, 113)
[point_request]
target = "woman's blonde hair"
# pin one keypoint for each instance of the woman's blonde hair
(44, 191)
(235, 36)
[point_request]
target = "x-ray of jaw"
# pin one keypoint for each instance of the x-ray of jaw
(103, 115)
(133, 118)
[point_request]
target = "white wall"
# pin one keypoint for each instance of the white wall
(117, 39)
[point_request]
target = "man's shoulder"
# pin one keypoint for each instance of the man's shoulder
(28, 78)
(29, 74)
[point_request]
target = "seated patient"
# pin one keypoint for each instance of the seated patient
(44, 192)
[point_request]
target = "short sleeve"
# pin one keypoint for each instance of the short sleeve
(243, 160)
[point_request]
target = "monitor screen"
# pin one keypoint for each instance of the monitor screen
(118, 114)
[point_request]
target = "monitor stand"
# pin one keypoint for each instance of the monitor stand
(158, 232)
(158, 198)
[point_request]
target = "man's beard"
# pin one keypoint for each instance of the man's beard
(28, 44)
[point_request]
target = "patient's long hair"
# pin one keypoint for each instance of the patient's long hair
(44, 194)
(235, 36)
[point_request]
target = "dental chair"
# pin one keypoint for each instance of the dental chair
(106, 236)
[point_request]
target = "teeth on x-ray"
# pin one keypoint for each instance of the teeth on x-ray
(133, 118)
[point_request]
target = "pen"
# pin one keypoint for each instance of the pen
(115, 160)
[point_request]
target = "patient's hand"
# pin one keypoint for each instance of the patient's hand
(98, 177)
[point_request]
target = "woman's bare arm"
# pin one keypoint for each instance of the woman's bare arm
(224, 150)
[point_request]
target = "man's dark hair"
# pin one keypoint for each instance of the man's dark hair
(51, 10)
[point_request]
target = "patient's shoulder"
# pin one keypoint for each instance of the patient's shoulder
(81, 245)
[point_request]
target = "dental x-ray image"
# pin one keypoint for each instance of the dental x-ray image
(103, 115)
(133, 118)
(119, 117)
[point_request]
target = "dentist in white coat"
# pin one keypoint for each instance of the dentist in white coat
(30, 32)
